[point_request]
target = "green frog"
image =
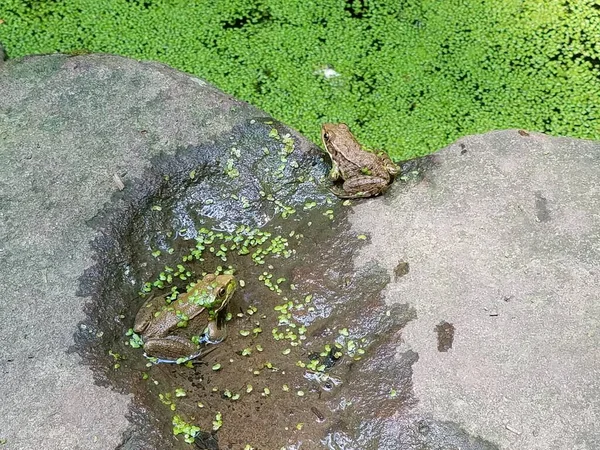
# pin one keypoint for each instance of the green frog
(365, 174)
(166, 328)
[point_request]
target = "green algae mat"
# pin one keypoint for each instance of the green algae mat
(409, 76)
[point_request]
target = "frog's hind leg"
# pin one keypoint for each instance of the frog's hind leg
(342, 194)
(362, 187)
(169, 347)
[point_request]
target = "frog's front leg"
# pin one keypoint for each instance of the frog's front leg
(334, 173)
(169, 347)
(213, 333)
(364, 186)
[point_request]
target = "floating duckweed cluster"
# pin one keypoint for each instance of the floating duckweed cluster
(285, 210)
(218, 422)
(166, 277)
(135, 340)
(408, 77)
(167, 399)
(188, 430)
(283, 336)
(284, 152)
(116, 357)
(244, 240)
(329, 214)
(267, 277)
(230, 170)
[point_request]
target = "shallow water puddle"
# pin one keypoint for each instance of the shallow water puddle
(310, 358)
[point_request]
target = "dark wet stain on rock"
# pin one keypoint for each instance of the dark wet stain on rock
(401, 269)
(340, 385)
(445, 336)
(428, 434)
(541, 208)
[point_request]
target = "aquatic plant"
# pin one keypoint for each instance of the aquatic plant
(408, 76)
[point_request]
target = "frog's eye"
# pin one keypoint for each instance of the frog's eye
(221, 292)
(326, 135)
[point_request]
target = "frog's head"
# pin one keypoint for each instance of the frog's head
(329, 131)
(221, 288)
(212, 292)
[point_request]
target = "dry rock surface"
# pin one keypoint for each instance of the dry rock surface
(501, 237)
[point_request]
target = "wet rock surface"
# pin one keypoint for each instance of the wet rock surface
(292, 308)
(113, 169)
(125, 179)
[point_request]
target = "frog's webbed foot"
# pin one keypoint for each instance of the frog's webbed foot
(200, 354)
(392, 168)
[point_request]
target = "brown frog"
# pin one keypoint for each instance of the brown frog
(365, 174)
(160, 323)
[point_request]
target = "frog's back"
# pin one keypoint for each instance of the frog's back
(162, 324)
(366, 163)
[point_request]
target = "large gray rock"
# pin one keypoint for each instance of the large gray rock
(497, 235)
(502, 238)
(67, 126)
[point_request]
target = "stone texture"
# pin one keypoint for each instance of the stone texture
(502, 237)
(67, 124)
(500, 233)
